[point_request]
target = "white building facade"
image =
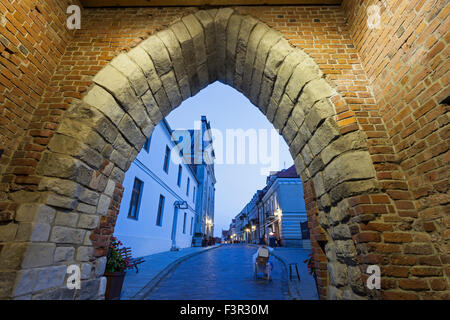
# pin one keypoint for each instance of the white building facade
(158, 209)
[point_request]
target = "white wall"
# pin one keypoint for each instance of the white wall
(143, 235)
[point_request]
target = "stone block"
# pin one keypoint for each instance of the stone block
(130, 131)
(152, 107)
(100, 265)
(163, 101)
(352, 188)
(118, 85)
(84, 253)
(256, 35)
(105, 102)
(89, 196)
(8, 231)
(354, 277)
(25, 281)
(67, 235)
(119, 159)
(60, 186)
(171, 87)
(103, 204)
(173, 46)
(326, 133)
(89, 290)
(266, 43)
(88, 221)
(39, 255)
(320, 111)
(195, 29)
(355, 165)
(334, 293)
(58, 201)
(33, 232)
(338, 274)
(188, 51)
(40, 213)
(339, 213)
(6, 283)
(221, 22)
(50, 277)
(285, 72)
(158, 53)
(64, 254)
(314, 91)
(134, 74)
(303, 73)
(208, 25)
(346, 252)
(110, 186)
(143, 60)
(353, 141)
(85, 271)
(102, 287)
(283, 111)
(290, 131)
(233, 27)
(247, 25)
(319, 188)
(340, 232)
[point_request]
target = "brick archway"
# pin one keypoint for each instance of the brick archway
(101, 134)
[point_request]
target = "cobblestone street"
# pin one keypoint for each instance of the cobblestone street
(225, 273)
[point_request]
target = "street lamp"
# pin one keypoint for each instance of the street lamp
(181, 204)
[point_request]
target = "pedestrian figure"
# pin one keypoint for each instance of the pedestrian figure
(263, 262)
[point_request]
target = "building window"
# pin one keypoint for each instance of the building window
(159, 217)
(193, 196)
(180, 170)
(135, 199)
(192, 223)
(147, 144)
(184, 222)
(166, 160)
(187, 187)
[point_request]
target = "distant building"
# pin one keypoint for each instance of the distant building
(201, 157)
(163, 205)
(277, 211)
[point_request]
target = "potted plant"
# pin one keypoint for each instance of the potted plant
(115, 271)
(312, 269)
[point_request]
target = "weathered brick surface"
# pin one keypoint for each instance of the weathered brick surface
(371, 215)
(406, 62)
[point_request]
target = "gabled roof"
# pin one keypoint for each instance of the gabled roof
(290, 172)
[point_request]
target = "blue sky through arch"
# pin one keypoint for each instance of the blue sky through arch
(226, 108)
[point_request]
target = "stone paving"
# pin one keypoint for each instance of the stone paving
(149, 270)
(305, 289)
(225, 273)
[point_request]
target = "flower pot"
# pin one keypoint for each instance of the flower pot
(114, 285)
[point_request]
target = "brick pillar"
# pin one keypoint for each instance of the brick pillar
(318, 239)
(101, 236)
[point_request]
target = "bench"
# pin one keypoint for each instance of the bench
(132, 262)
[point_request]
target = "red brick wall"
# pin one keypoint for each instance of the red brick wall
(33, 38)
(406, 62)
